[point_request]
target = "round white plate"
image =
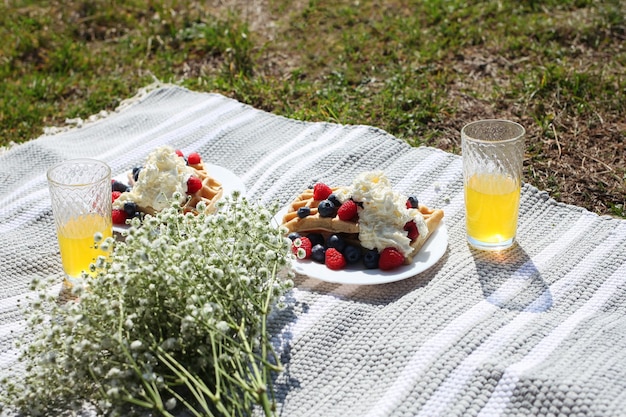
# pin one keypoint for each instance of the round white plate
(230, 183)
(431, 252)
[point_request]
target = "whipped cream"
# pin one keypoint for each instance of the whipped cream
(384, 213)
(163, 174)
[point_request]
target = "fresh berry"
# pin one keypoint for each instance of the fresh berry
(334, 199)
(118, 216)
(119, 186)
(194, 158)
(302, 247)
(115, 195)
(347, 211)
(130, 207)
(334, 259)
(327, 209)
(293, 236)
(304, 212)
(352, 254)
(193, 184)
(318, 253)
(412, 232)
(337, 242)
(321, 191)
(370, 259)
(136, 172)
(390, 258)
(179, 153)
(412, 202)
(316, 239)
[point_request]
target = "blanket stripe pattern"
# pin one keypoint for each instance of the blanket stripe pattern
(537, 330)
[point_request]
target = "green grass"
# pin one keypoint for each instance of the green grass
(418, 69)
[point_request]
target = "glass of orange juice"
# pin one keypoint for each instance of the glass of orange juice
(80, 190)
(493, 154)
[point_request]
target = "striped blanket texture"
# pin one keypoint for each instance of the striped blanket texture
(538, 330)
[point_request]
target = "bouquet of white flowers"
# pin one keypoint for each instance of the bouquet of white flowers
(174, 319)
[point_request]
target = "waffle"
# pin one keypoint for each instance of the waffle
(432, 218)
(314, 222)
(210, 192)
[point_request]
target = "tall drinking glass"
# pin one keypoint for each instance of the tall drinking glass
(493, 153)
(80, 190)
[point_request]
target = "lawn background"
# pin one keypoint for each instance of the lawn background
(417, 69)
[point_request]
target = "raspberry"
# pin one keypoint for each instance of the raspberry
(118, 216)
(302, 247)
(194, 158)
(193, 184)
(115, 195)
(334, 259)
(321, 191)
(347, 211)
(390, 258)
(411, 228)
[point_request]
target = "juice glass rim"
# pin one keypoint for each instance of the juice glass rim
(60, 183)
(520, 134)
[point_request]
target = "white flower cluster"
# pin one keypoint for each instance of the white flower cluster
(179, 307)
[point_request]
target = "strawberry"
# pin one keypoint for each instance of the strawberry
(335, 259)
(193, 184)
(302, 247)
(321, 191)
(347, 211)
(118, 216)
(412, 231)
(115, 195)
(179, 153)
(194, 158)
(390, 258)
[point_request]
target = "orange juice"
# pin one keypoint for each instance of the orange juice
(76, 242)
(492, 204)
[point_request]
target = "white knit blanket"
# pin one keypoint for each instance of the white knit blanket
(539, 330)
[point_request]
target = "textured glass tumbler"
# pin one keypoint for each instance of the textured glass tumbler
(493, 154)
(80, 190)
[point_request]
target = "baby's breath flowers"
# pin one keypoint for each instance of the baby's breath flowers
(174, 319)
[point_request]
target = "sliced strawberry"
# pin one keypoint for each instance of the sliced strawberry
(412, 232)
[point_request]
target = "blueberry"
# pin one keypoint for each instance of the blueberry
(327, 209)
(304, 212)
(293, 236)
(316, 239)
(413, 202)
(130, 207)
(318, 253)
(352, 254)
(119, 186)
(370, 259)
(335, 200)
(136, 171)
(337, 242)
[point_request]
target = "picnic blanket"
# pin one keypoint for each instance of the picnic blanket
(537, 330)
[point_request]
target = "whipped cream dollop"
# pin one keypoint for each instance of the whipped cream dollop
(163, 174)
(383, 213)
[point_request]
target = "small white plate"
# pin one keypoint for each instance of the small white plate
(431, 252)
(230, 183)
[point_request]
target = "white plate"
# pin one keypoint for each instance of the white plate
(431, 252)
(230, 183)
